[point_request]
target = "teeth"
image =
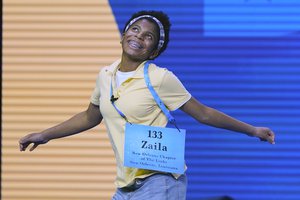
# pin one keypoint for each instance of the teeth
(134, 45)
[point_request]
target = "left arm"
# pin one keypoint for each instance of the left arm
(212, 117)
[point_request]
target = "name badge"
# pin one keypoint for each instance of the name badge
(154, 148)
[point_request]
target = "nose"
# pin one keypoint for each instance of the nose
(140, 36)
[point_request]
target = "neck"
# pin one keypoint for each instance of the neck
(127, 65)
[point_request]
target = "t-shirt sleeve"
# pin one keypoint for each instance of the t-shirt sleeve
(96, 93)
(172, 92)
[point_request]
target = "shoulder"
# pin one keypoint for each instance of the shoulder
(157, 71)
(156, 74)
(109, 69)
(161, 76)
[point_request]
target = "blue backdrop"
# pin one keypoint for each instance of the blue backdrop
(241, 57)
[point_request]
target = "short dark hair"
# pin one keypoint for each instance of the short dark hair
(162, 17)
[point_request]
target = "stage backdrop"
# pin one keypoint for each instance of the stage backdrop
(53, 50)
(239, 56)
(243, 58)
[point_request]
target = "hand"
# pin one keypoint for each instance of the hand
(265, 134)
(35, 138)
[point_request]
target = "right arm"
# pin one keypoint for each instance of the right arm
(78, 123)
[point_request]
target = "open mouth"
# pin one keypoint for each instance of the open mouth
(134, 45)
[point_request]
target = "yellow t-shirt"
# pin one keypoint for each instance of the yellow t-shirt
(138, 105)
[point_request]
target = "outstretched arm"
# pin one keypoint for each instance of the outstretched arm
(78, 123)
(212, 117)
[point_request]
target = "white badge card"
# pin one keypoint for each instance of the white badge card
(154, 148)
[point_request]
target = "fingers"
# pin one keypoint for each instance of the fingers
(271, 137)
(24, 142)
(268, 136)
(265, 134)
(33, 147)
(23, 145)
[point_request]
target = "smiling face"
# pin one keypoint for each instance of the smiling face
(140, 41)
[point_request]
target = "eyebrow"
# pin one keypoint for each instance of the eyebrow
(152, 33)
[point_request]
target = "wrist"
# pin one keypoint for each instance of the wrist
(252, 131)
(45, 137)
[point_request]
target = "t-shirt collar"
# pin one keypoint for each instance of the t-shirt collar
(139, 72)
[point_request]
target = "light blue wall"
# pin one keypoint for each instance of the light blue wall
(243, 58)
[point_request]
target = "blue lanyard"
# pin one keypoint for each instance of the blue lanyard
(158, 101)
(113, 99)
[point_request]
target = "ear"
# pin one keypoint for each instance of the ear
(154, 54)
(122, 37)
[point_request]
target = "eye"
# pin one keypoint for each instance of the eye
(134, 29)
(149, 36)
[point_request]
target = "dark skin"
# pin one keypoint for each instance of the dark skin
(139, 44)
